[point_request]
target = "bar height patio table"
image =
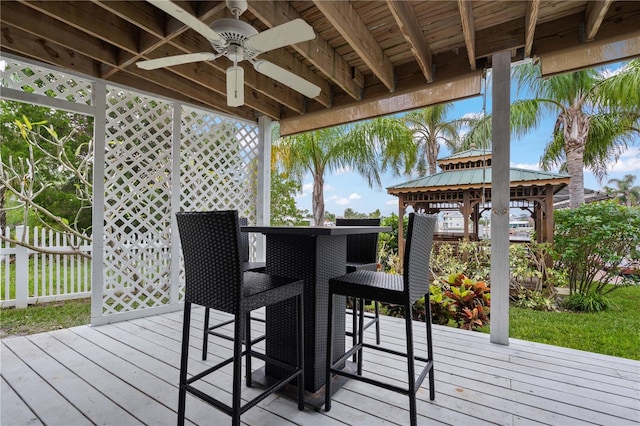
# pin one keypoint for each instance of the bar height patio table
(314, 254)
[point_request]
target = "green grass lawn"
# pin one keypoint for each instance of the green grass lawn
(613, 332)
(44, 317)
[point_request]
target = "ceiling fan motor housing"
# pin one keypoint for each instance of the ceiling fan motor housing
(234, 32)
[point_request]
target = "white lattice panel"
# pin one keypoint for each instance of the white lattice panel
(219, 163)
(137, 195)
(42, 81)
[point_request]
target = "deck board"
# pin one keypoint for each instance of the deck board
(126, 374)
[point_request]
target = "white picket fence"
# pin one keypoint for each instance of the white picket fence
(42, 277)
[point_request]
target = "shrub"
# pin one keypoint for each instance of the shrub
(594, 239)
(460, 301)
(590, 302)
(528, 264)
(534, 299)
(471, 257)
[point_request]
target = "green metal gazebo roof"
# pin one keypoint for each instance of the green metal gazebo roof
(473, 152)
(473, 177)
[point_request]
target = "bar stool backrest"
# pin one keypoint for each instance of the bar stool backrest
(244, 241)
(361, 248)
(212, 260)
(417, 254)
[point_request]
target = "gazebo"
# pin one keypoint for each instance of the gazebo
(464, 185)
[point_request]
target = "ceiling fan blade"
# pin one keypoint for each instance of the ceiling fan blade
(287, 78)
(235, 86)
(186, 18)
(169, 61)
(291, 32)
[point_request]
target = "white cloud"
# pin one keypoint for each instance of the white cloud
(332, 198)
(628, 162)
(355, 196)
(610, 72)
(473, 115)
(307, 188)
(535, 166)
(343, 201)
(392, 202)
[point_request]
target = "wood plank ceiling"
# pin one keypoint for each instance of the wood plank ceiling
(369, 58)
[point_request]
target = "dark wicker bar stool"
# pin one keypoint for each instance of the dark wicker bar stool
(247, 267)
(362, 254)
(402, 290)
(214, 278)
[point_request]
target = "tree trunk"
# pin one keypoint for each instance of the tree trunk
(576, 131)
(318, 199)
(432, 157)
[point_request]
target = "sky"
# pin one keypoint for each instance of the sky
(346, 189)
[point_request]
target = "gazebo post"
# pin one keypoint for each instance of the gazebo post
(548, 214)
(466, 212)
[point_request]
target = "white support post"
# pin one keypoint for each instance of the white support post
(97, 223)
(263, 202)
(175, 202)
(500, 198)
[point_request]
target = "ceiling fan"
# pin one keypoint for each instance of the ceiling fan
(239, 41)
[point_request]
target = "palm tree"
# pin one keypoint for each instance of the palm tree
(432, 130)
(369, 147)
(624, 192)
(596, 118)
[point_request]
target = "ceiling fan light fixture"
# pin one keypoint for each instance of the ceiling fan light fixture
(235, 86)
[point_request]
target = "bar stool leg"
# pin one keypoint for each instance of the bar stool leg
(377, 315)
(205, 337)
(300, 348)
(184, 357)
(247, 345)
(237, 369)
(354, 324)
(329, 361)
(410, 366)
(432, 381)
(360, 335)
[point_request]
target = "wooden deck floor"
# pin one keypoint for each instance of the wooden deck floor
(125, 374)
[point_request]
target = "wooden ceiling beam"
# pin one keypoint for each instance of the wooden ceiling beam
(21, 43)
(468, 30)
(45, 27)
(505, 36)
(596, 11)
(409, 26)
(316, 51)
(347, 22)
(530, 22)
(86, 18)
(400, 101)
(598, 52)
(564, 33)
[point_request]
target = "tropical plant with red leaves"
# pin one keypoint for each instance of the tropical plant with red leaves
(470, 300)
